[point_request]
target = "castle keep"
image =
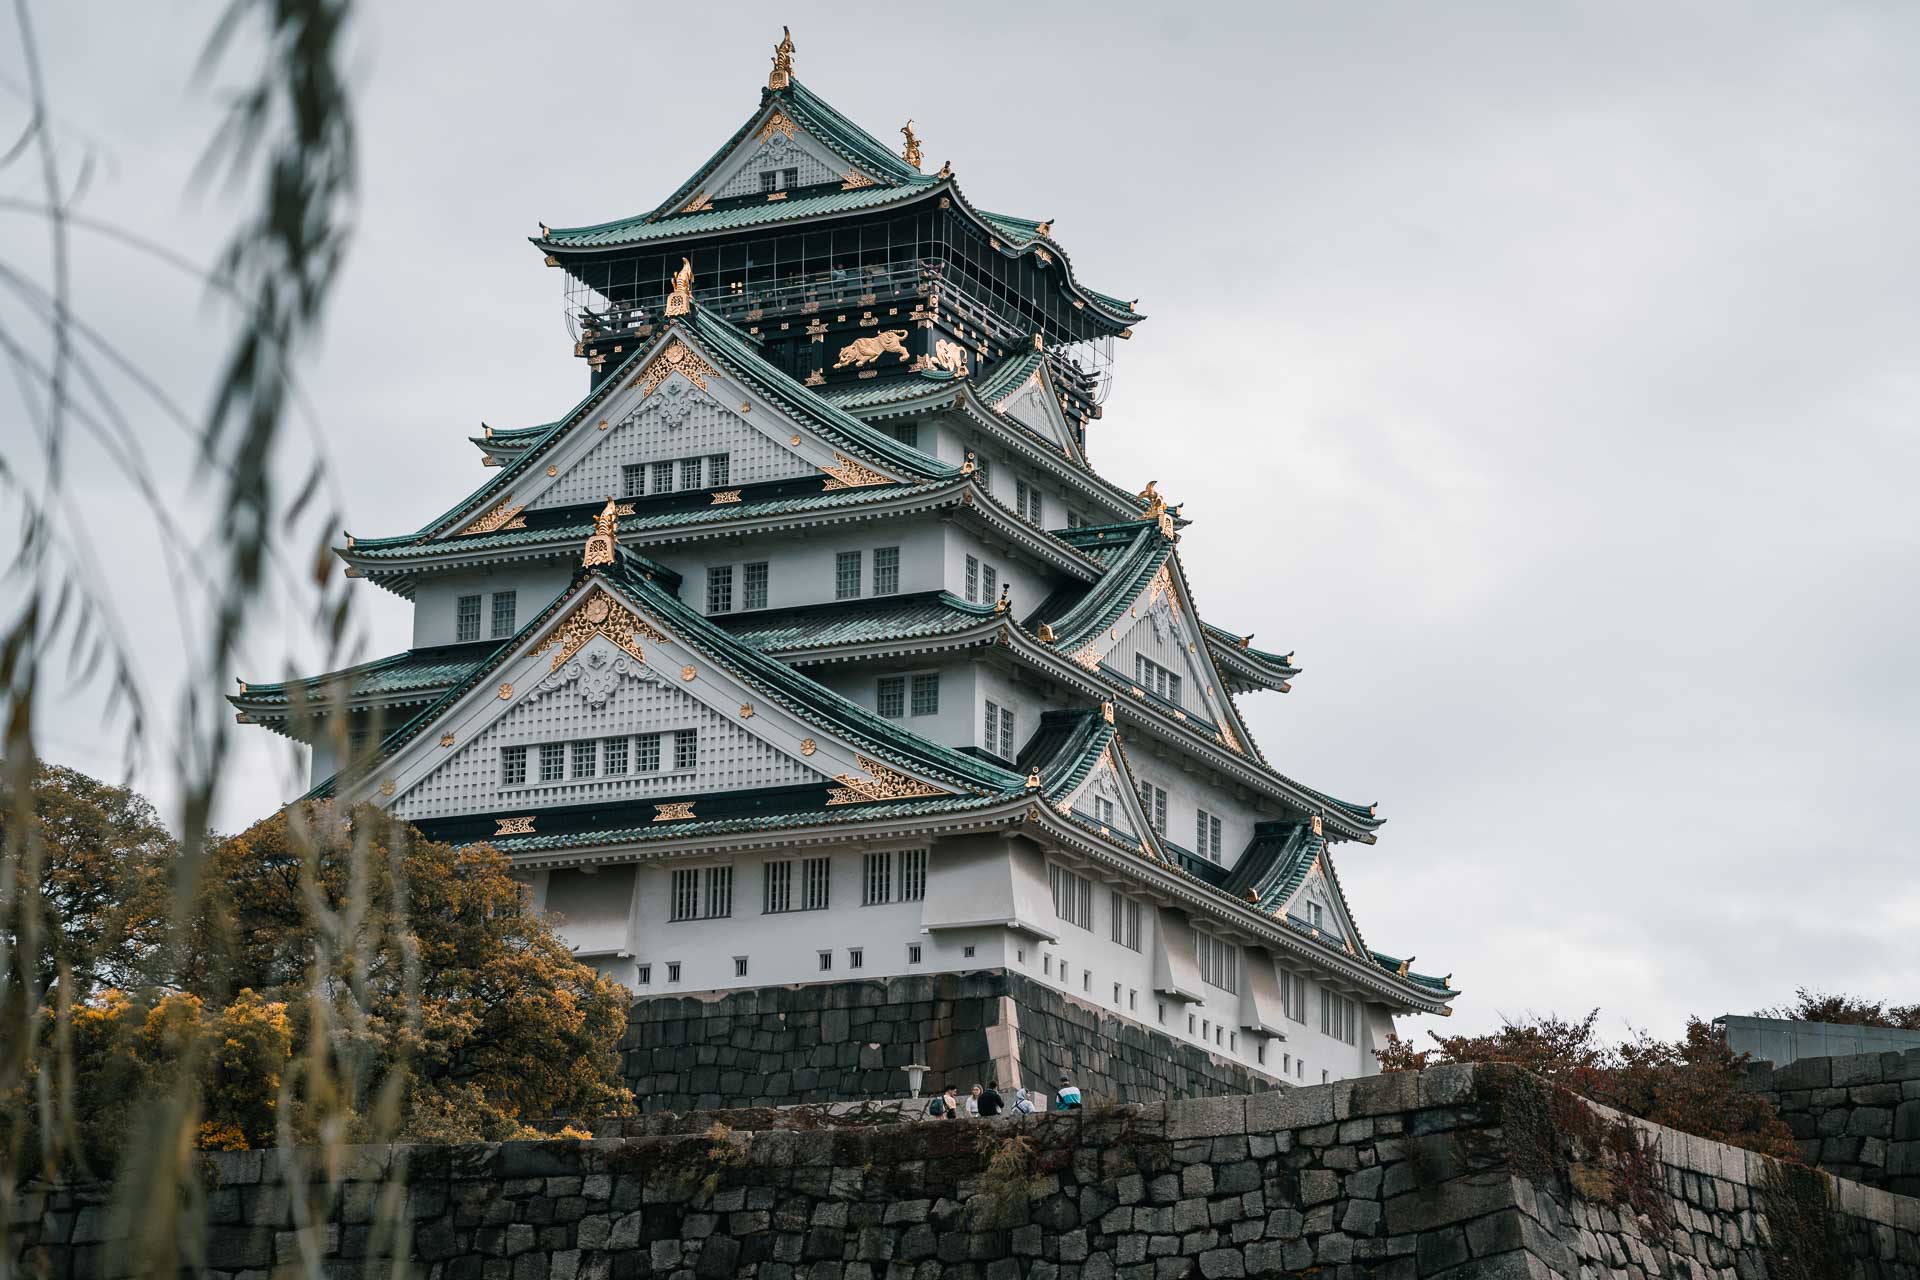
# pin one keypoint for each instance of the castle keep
(807, 665)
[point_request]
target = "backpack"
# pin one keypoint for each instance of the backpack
(938, 1107)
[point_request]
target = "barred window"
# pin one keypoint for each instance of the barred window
(643, 975)
(753, 581)
(846, 575)
(1027, 501)
(739, 966)
(586, 758)
(973, 580)
(1154, 801)
(826, 961)
(633, 480)
(913, 875)
(1155, 679)
(1006, 733)
(719, 892)
(1293, 996)
(662, 477)
(649, 760)
(466, 624)
(1206, 836)
(926, 694)
(814, 884)
(908, 433)
(1103, 811)
(505, 605)
(685, 899)
(856, 957)
(553, 762)
(513, 766)
(892, 698)
(686, 748)
(778, 880)
(720, 588)
(1219, 961)
(989, 584)
(998, 725)
(691, 470)
(876, 879)
(613, 756)
(1072, 896)
(886, 571)
(673, 971)
(719, 467)
(1339, 1017)
(1126, 920)
(913, 953)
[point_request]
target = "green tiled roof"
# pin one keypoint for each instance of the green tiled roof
(1232, 641)
(412, 671)
(884, 391)
(1102, 604)
(1009, 374)
(915, 617)
(697, 828)
(1392, 965)
(1275, 862)
(648, 227)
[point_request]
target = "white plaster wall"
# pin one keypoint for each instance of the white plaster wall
(435, 600)
(1189, 789)
(953, 725)
(801, 566)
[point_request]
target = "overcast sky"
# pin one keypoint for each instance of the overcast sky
(1542, 375)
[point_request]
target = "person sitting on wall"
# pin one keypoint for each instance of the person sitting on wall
(990, 1103)
(1068, 1099)
(945, 1104)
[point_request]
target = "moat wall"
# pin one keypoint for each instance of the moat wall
(1448, 1173)
(1857, 1117)
(851, 1040)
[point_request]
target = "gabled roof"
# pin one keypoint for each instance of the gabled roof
(1255, 668)
(897, 618)
(411, 677)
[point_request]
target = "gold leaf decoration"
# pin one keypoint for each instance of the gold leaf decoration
(677, 811)
(506, 691)
(446, 739)
(599, 614)
(853, 180)
(776, 123)
(721, 497)
(386, 786)
(808, 746)
(851, 475)
(504, 515)
(522, 826)
(676, 358)
(884, 784)
(1086, 656)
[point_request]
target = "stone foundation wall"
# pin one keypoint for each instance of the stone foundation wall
(1857, 1117)
(1455, 1173)
(834, 1041)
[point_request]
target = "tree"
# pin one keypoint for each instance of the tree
(1820, 1006)
(1694, 1084)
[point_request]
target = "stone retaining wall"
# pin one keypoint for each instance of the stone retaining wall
(1857, 1117)
(850, 1040)
(1457, 1173)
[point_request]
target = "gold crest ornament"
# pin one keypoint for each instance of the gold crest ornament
(782, 74)
(911, 151)
(680, 300)
(605, 526)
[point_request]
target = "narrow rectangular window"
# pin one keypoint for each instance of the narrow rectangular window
(719, 468)
(989, 584)
(1116, 994)
(586, 758)
(1103, 811)
(685, 899)
(826, 961)
(913, 875)
(926, 695)
(754, 583)
(913, 953)
(1133, 1000)
(908, 433)
(720, 588)
(686, 748)
(673, 971)
(856, 957)
(739, 966)
(790, 178)
(846, 575)
(779, 887)
(973, 580)
(513, 766)
(1153, 802)
(613, 756)
(891, 700)
(691, 470)
(1072, 896)
(662, 477)
(1086, 980)
(649, 761)
(719, 892)
(467, 619)
(505, 606)
(876, 879)
(769, 180)
(1006, 733)
(886, 571)
(815, 883)
(553, 762)
(642, 975)
(633, 480)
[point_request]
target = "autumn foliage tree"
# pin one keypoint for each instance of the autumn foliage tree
(1822, 1006)
(1693, 1084)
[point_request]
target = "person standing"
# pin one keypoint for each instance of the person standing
(990, 1103)
(1068, 1099)
(945, 1104)
(973, 1103)
(1022, 1102)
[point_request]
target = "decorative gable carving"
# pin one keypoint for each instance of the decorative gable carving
(777, 144)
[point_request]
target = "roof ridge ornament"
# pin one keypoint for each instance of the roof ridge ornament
(605, 526)
(946, 171)
(911, 151)
(782, 74)
(1044, 228)
(1002, 605)
(680, 300)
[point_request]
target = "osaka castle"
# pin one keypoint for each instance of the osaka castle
(816, 681)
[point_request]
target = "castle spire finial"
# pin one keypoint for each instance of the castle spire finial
(605, 526)
(680, 300)
(911, 152)
(782, 74)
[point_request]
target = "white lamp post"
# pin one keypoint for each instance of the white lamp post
(916, 1072)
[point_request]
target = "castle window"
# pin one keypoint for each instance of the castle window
(1233, 1041)
(1154, 801)
(1206, 836)
(1260, 1053)
(815, 884)
(876, 880)
(973, 580)
(1339, 1017)
(913, 953)
(673, 971)
(1126, 920)
(907, 433)
(685, 900)
(886, 571)
(966, 952)
(1072, 896)
(1219, 961)
(686, 748)
(856, 957)
(719, 468)
(1190, 1021)
(513, 766)
(892, 698)
(989, 584)
(1314, 908)
(691, 471)
(1103, 811)
(998, 737)
(846, 575)
(466, 624)
(826, 961)
(505, 605)
(1116, 994)
(633, 480)
(720, 588)
(1293, 996)
(719, 892)
(739, 966)
(1046, 965)
(1086, 981)
(913, 877)
(779, 888)
(613, 755)
(1027, 498)
(754, 581)
(1133, 1000)
(926, 694)
(553, 762)
(649, 753)
(586, 758)
(642, 975)
(662, 477)
(1155, 679)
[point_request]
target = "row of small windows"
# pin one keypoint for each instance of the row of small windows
(1155, 679)
(983, 582)
(1339, 1017)
(585, 758)
(895, 696)
(856, 959)
(720, 584)
(1219, 961)
(847, 573)
(1207, 841)
(798, 884)
(708, 471)
(466, 620)
(1073, 903)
